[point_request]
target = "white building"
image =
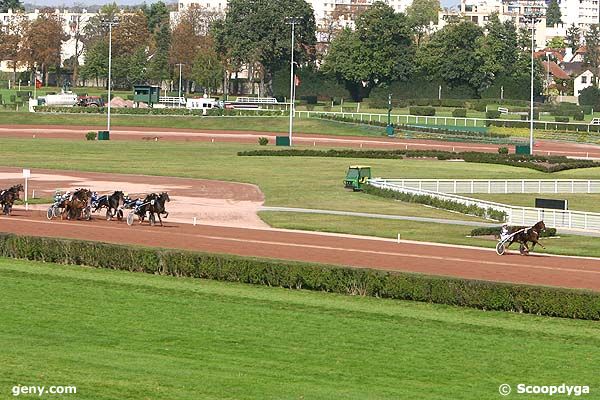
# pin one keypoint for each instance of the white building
(583, 80)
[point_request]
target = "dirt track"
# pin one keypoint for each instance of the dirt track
(325, 248)
(135, 133)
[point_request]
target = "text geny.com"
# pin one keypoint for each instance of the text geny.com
(42, 390)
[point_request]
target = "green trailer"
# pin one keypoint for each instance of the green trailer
(357, 176)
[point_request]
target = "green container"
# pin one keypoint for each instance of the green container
(282, 141)
(390, 130)
(103, 135)
(522, 149)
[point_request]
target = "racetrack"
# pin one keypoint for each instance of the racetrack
(543, 147)
(359, 252)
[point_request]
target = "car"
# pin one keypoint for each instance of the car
(90, 101)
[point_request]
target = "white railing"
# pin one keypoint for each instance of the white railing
(500, 186)
(516, 215)
(173, 100)
(257, 100)
(439, 120)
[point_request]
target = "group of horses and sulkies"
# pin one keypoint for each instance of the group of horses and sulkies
(81, 203)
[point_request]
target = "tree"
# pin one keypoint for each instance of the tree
(573, 38)
(592, 46)
(130, 34)
(15, 5)
(156, 15)
(590, 96)
(379, 51)
(10, 42)
(553, 14)
(421, 14)
(96, 61)
(452, 55)
(556, 42)
(158, 68)
(498, 49)
(207, 70)
(42, 41)
(256, 33)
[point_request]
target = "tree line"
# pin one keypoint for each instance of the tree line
(382, 49)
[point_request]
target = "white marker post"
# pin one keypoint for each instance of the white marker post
(26, 175)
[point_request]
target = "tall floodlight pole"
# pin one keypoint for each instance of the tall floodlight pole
(292, 22)
(179, 98)
(533, 17)
(110, 24)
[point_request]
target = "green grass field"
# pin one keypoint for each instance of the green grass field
(124, 335)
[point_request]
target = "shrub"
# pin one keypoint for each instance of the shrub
(590, 96)
(561, 119)
(492, 114)
(459, 112)
(480, 106)
(578, 116)
(422, 111)
(263, 141)
(550, 301)
(312, 99)
(422, 102)
(503, 150)
(91, 135)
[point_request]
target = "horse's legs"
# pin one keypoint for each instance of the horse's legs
(159, 219)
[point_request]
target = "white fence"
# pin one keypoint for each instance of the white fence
(179, 101)
(516, 215)
(581, 126)
(500, 186)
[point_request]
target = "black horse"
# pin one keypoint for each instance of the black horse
(154, 204)
(525, 235)
(8, 197)
(110, 202)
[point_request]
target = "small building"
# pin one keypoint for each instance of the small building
(583, 80)
(146, 94)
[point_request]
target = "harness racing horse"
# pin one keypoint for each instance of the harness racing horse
(523, 235)
(78, 204)
(111, 203)
(8, 197)
(154, 204)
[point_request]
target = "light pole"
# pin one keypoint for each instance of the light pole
(390, 127)
(292, 21)
(179, 98)
(110, 24)
(533, 17)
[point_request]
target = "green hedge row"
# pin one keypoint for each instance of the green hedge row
(495, 230)
(545, 125)
(537, 162)
(437, 203)
(422, 110)
(549, 301)
(159, 111)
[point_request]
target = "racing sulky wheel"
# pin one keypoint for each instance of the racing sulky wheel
(130, 218)
(500, 248)
(50, 212)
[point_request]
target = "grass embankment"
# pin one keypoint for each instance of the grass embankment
(123, 335)
(304, 182)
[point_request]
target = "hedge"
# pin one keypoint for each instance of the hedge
(495, 230)
(425, 111)
(459, 112)
(548, 301)
(437, 203)
(537, 162)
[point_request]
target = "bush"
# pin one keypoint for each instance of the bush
(422, 111)
(590, 96)
(550, 301)
(561, 119)
(459, 112)
(437, 203)
(492, 114)
(480, 106)
(578, 116)
(91, 135)
(263, 141)
(503, 150)
(312, 99)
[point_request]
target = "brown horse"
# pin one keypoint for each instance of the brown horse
(525, 235)
(78, 205)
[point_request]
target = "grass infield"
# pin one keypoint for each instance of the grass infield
(123, 335)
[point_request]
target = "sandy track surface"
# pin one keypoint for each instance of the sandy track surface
(211, 202)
